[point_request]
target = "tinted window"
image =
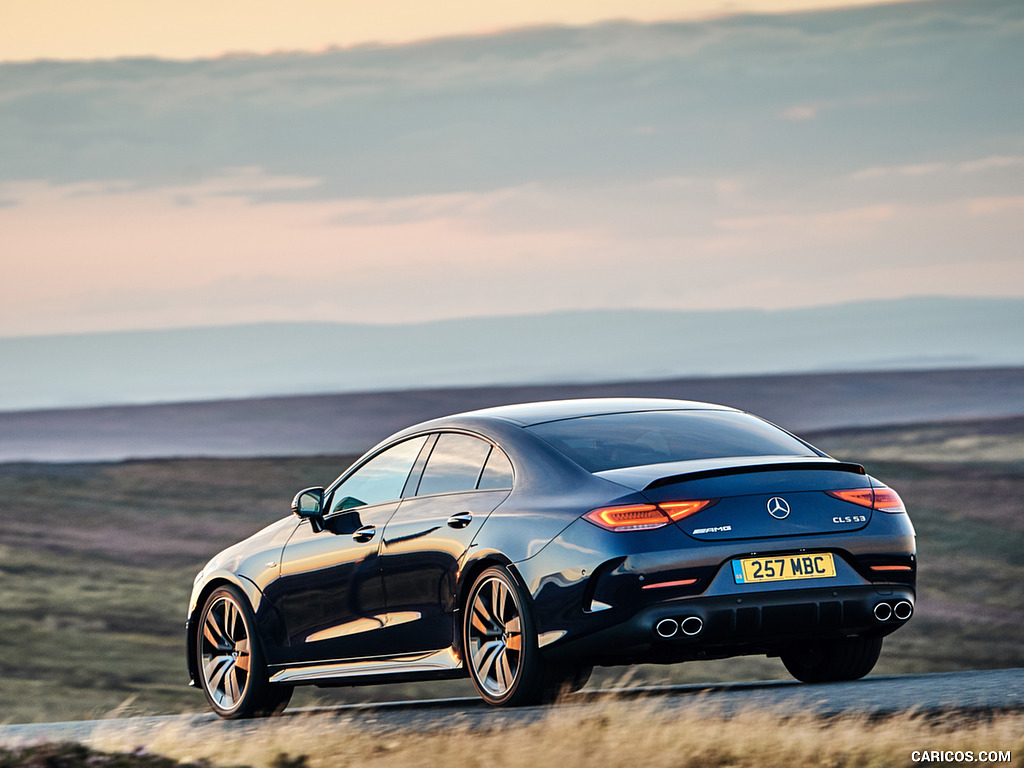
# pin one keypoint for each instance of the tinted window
(619, 440)
(380, 479)
(497, 471)
(454, 464)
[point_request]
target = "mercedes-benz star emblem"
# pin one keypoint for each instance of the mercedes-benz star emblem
(778, 508)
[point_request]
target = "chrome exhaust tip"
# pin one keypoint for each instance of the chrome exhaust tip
(903, 610)
(691, 625)
(666, 627)
(883, 611)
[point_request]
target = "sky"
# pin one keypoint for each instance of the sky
(714, 162)
(186, 29)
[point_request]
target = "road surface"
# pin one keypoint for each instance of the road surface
(977, 691)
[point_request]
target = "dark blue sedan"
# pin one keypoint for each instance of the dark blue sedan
(525, 544)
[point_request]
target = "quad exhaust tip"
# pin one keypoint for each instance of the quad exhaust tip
(666, 627)
(883, 611)
(903, 610)
(689, 626)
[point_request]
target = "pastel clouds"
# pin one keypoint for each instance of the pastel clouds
(93, 257)
(731, 163)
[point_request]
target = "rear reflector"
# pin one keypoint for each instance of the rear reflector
(891, 568)
(882, 498)
(645, 517)
(681, 583)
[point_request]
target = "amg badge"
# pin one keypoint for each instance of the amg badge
(712, 530)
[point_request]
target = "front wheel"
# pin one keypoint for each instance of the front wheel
(500, 643)
(825, 661)
(231, 665)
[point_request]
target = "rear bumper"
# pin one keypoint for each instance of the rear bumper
(731, 625)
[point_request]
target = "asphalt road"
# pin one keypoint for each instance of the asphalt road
(978, 691)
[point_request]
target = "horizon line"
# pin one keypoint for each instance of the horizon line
(511, 315)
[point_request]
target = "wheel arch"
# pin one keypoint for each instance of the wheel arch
(248, 589)
(470, 572)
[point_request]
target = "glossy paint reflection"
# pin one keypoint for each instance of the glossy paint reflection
(421, 559)
(330, 592)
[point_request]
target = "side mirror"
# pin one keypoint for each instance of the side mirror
(309, 505)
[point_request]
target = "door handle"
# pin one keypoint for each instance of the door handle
(365, 533)
(460, 520)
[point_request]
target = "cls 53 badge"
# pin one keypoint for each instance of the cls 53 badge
(850, 519)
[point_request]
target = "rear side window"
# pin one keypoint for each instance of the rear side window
(454, 464)
(497, 471)
(616, 440)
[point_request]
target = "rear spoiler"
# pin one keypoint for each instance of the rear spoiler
(839, 466)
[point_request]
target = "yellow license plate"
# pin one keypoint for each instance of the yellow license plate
(755, 570)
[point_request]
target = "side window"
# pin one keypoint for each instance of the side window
(454, 464)
(497, 471)
(380, 479)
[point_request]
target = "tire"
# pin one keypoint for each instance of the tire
(232, 670)
(500, 642)
(826, 661)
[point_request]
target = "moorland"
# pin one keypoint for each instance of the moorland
(97, 559)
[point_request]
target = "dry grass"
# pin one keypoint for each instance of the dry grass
(617, 733)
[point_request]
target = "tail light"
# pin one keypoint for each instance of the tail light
(882, 498)
(645, 517)
(887, 500)
(677, 510)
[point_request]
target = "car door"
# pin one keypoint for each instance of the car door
(330, 592)
(463, 480)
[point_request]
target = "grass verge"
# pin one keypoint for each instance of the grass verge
(618, 733)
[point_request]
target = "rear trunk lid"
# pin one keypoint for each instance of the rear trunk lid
(755, 498)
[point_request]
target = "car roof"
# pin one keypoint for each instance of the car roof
(529, 414)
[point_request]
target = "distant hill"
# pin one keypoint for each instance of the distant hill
(572, 347)
(310, 425)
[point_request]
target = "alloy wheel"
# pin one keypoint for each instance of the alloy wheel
(495, 636)
(225, 654)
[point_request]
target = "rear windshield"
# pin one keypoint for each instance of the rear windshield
(617, 440)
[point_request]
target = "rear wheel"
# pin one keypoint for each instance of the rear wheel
(231, 665)
(847, 658)
(500, 644)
